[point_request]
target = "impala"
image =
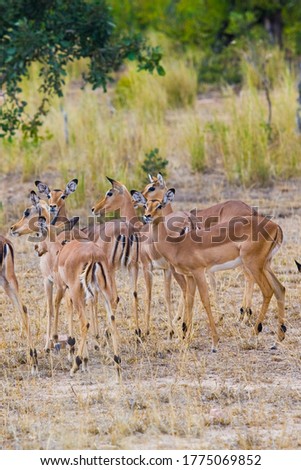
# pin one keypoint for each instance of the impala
(204, 218)
(118, 197)
(82, 268)
(9, 282)
(25, 226)
(120, 243)
(250, 241)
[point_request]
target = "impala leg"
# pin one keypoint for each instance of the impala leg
(267, 293)
(71, 338)
(82, 352)
(213, 289)
(57, 302)
(48, 286)
(246, 310)
(181, 280)
(134, 282)
(114, 333)
(148, 278)
(94, 320)
(201, 282)
(279, 291)
(11, 290)
(167, 290)
(189, 301)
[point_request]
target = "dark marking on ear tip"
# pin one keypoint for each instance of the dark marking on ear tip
(259, 327)
(283, 328)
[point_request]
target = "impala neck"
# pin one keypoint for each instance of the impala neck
(127, 210)
(167, 209)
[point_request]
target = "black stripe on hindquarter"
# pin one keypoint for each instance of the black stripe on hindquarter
(115, 248)
(103, 273)
(127, 252)
(137, 254)
(1, 253)
(8, 248)
(123, 246)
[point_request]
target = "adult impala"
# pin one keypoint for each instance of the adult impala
(119, 241)
(25, 226)
(82, 268)
(119, 198)
(250, 241)
(203, 218)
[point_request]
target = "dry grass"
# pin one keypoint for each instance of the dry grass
(172, 395)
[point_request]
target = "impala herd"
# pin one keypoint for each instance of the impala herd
(189, 246)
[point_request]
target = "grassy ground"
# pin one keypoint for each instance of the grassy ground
(172, 395)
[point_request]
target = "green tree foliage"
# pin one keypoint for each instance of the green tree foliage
(219, 28)
(53, 33)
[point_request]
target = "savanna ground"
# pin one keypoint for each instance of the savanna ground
(173, 395)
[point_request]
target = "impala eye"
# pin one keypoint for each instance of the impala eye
(26, 212)
(49, 196)
(151, 189)
(110, 193)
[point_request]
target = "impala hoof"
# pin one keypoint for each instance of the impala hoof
(117, 359)
(138, 333)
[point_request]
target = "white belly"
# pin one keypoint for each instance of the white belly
(224, 266)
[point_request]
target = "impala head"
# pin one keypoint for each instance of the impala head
(156, 187)
(155, 207)
(57, 197)
(28, 223)
(113, 199)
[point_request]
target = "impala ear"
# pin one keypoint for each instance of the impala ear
(138, 198)
(150, 178)
(42, 223)
(115, 184)
(298, 266)
(168, 197)
(161, 180)
(43, 188)
(70, 188)
(34, 198)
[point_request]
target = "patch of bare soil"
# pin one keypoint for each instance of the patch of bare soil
(173, 395)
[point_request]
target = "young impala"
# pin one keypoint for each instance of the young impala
(8, 281)
(250, 241)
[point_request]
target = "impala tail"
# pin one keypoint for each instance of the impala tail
(277, 243)
(86, 279)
